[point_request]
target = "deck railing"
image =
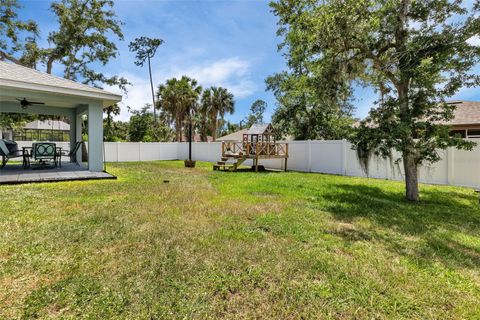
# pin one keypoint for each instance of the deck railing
(249, 149)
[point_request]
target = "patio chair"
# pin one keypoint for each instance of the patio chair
(45, 151)
(9, 150)
(73, 153)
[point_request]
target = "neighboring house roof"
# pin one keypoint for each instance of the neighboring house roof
(48, 125)
(17, 76)
(466, 113)
(235, 136)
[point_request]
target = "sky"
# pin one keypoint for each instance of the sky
(232, 44)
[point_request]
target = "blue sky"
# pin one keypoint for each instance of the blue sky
(223, 43)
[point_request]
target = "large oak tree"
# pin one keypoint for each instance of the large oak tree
(417, 53)
(82, 39)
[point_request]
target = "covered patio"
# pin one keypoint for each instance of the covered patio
(56, 96)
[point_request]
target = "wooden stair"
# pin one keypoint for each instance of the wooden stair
(225, 163)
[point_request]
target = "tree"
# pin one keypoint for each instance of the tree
(112, 110)
(203, 116)
(417, 52)
(145, 49)
(120, 131)
(14, 121)
(81, 41)
(178, 100)
(226, 127)
(216, 102)
(308, 108)
(141, 127)
(12, 29)
(313, 100)
(257, 109)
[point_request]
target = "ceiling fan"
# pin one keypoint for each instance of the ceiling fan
(25, 103)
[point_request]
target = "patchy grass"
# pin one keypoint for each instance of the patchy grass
(237, 245)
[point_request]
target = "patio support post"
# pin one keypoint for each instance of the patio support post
(95, 137)
(73, 129)
(78, 135)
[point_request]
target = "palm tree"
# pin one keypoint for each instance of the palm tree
(111, 110)
(203, 120)
(168, 102)
(217, 103)
(178, 99)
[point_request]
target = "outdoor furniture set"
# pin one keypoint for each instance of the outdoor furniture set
(43, 153)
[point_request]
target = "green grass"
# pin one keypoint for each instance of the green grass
(237, 245)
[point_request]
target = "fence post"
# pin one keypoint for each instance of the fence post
(344, 157)
(309, 155)
(450, 165)
(118, 152)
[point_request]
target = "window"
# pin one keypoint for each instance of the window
(459, 133)
(473, 133)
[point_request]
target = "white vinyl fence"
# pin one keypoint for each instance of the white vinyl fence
(457, 167)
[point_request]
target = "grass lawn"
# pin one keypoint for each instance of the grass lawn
(237, 245)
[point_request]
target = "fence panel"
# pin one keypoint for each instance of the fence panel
(326, 156)
(465, 168)
(456, 167)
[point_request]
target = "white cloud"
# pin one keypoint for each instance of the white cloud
(231, 73)
(138, 94)
(474, 41)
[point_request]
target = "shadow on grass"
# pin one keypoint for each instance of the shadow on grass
(250, 170)
(432, 223)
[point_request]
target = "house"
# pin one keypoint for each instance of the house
(234, 136)
(467, 119)
(43, 130)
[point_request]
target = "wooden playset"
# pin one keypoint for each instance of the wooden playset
(257, 143)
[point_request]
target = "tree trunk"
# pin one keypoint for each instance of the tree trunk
(411, 177)
(153, 92)
(214, 130)
(178, 129)
(50, 65)
(203, 132)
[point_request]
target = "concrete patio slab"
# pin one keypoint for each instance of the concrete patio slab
(15, 174)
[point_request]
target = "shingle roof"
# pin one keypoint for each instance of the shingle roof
(48, 125)
(235, 136)
(466, 113)
(11, 72)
